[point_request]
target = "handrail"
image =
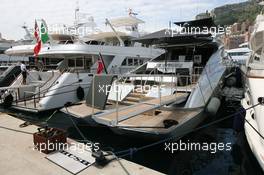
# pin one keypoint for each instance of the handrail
(148, 77)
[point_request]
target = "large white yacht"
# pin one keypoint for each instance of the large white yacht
(166, 96)
(254, 94)
(53, 89)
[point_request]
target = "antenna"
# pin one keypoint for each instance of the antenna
(28, 33)
(131, 13)
(77, 9)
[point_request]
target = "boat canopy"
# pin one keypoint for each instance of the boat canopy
(126, 21)
(206, 22)
(164, 37)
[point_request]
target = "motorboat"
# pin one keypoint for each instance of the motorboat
(183, 96)
(254, 84)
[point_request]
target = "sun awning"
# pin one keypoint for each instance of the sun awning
(126, 21)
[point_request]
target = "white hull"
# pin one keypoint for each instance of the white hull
(254, 85)
(21, 50)
(254, 116)
(64, 90)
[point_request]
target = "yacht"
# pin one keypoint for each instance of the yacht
(254, 94)
(240, 54)
(178, 87)
(71, 82)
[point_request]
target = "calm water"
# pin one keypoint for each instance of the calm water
(237, 161)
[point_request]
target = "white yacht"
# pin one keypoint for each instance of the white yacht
(163, 97)
(240, 54)
(71, 83)
(254, 94)
(192, 94)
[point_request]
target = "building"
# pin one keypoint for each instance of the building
(240, 33)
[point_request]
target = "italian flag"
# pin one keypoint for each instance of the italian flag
(41, 36)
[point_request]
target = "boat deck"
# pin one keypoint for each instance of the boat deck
(18, 156)
(81, 110)
(112, 117)
(150, 122)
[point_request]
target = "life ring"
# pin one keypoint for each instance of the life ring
(80, 93)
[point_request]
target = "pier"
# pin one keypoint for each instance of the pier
(17, 154)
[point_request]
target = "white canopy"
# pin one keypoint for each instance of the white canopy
(126, 21)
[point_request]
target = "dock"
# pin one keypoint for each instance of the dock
(18, 155)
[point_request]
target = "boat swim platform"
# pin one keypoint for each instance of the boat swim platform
(113, 117)
(109, 115)
(28, 106)
(18, 156)
(150, 123)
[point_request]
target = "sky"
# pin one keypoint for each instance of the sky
(155, 13)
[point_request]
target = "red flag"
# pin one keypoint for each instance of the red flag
(38, 44)
(37, 48)
(100, 66)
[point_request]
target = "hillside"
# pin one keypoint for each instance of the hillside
(231, 13)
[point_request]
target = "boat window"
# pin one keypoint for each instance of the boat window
(124, 63)
(130, 61)
(237, 53)
(88, 63)
(79, 62)
(137, 63)
(71, 63)
(181, 58)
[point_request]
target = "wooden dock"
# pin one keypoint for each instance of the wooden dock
(18, 156)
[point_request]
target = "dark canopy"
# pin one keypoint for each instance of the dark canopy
(168, 36)
(206, 22)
